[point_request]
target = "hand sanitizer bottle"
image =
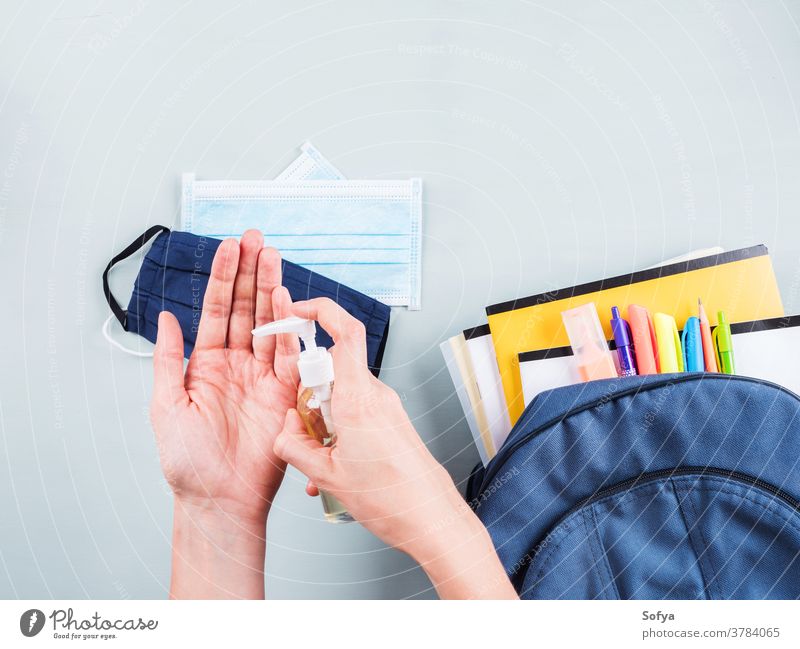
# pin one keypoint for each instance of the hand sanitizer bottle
(315, 365)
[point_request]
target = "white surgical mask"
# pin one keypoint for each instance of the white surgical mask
(310, 165)
(366, 234)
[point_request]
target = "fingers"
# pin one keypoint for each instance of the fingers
(311, 489)
(217, 301)
(268, 278)
(350, 350)
(244, 292)
(287, 346)
(299, 449)
(168, 386)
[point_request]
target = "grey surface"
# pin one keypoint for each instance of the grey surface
(558, 141)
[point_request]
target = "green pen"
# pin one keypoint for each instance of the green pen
(723, 345)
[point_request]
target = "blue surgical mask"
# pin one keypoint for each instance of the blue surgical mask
(362, 233)
(310, 165)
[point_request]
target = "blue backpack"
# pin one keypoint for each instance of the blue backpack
(677, 486)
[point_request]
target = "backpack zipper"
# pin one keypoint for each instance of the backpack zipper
(500, 459)
(644, 478)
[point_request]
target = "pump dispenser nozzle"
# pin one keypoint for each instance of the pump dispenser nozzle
(315, 363)
(291, 325)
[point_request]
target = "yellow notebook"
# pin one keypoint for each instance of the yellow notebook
(739, 282)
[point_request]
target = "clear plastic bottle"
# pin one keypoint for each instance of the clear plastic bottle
(315, 365)
(310, 412)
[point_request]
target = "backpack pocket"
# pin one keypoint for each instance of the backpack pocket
(685, 533)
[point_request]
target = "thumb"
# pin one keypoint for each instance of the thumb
(295, 446)
(168, 386)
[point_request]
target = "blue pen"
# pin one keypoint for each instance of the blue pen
(622, 340)
(692, 343)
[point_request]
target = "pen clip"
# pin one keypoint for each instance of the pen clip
(715, 341)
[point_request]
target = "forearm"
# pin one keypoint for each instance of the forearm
(216, 554)
(459, 557)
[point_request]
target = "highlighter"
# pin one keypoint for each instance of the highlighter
(709, 352)
(670, 357)
(588, 342)
(723, 344)
(644, 339)
(692, 343)
(622, 339)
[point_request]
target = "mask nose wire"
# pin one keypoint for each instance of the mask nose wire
(107, 335)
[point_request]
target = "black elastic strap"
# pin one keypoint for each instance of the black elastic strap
(137, 244)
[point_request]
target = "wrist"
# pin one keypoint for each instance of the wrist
(458, 555)
(221, 512)
(449, 527)
(217, 552)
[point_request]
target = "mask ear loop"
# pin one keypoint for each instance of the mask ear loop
(116, 310)
(118, 345)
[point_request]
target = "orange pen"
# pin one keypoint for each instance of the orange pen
(709, 353)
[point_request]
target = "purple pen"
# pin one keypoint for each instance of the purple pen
(622, 339)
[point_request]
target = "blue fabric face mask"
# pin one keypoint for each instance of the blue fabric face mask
(361, 233)
(174, 275)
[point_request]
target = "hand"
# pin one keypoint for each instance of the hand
(216, 424)
(383, 473)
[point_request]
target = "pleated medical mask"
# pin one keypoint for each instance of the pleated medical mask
(310, 165)
(174, 275)
(366, 234)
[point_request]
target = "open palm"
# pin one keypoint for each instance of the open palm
(216, 423)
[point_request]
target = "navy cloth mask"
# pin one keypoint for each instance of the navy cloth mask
(174, 276)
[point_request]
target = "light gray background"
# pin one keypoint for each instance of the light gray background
(558, 141)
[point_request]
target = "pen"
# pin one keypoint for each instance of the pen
(709, 353)
(692, 346)
(723, 344)
(644, 339)
(670, 358)
(622, 340)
